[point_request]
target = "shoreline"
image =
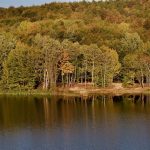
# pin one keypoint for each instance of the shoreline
(80, 91)
(113, 91)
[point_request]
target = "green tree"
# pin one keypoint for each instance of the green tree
(135, 63)
(109, 66)
(130, 43)
(19, 69)
(94, 54)
(52, 55)
(7, 44)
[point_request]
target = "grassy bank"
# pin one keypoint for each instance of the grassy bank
(112, 90)
(79, 91)
(34, 92)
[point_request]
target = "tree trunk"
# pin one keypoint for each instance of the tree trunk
(69, 79)
(142, 79)
(46, 80)
(93, 67)
(62, 79)
(104, 76)
(86, 74)
(75, 74)
(148, 76)
(148, 80)
(102, 80)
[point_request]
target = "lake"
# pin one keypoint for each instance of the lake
(97, 122)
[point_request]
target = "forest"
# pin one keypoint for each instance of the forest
(65, 44)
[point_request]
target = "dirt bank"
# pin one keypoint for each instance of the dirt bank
(117, 88)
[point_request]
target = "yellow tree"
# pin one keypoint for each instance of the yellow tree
(67, 69)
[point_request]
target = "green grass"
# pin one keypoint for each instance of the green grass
(34, 92)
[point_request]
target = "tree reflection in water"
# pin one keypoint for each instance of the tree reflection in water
(49, 111)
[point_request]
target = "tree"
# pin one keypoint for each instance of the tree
(94, 54)
(130, 43)
(109, 66)
(53, 53)
(85, 53)
(135, 63)
(7, 44)
(19, 72)
(66, 69)
(72, 51)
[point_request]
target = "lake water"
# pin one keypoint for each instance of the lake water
(99, 122)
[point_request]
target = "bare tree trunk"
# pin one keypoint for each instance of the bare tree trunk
(148, 80)
(104, 76)
(93, 67)
(86, 74)
(54, 77)
(75, 74)
(71, 80)
(102, 80)
(67, 79)
(62, 79)
(142, 79)
(148, 76)
(81, 79)
(46, 80)
(75, 71)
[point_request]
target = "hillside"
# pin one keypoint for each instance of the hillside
(67, 43)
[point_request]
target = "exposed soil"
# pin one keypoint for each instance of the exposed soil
(116, 88)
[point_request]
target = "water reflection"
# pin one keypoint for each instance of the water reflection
(76, 121)
(47, 111)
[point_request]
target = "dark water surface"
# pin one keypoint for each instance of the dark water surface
(75, 123)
